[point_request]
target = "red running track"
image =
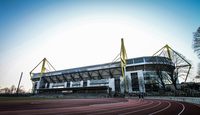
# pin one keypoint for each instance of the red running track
(107, 106)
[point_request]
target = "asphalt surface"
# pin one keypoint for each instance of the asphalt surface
(106, 106)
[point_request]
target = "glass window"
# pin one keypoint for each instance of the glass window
(161, 59)
(147, 59)
(129, 61)
(150, 59)
(138, 60)
(134, 81)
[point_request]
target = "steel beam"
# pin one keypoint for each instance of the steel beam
(72, 77)
(45, 79)
(99, 74)
(64, 77)
(58, 79)
(80, 75)
(52, 80)
(111, 74)
(89, 75)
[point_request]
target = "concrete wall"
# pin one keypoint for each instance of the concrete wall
(195, 100)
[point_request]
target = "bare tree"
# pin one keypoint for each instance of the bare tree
(12, 89)
(198, 72)
(21, 89)
(196, 42)
(160, 76)
(5, 90)
(196, 47)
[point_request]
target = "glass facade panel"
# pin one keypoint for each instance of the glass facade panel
(138, 60)
(151, 81)
(139, 67)
(150, 59)
(161, 59)
(147, 59)
(134, 81)
(129, 61)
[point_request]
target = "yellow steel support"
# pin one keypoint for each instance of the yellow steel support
(123, 57)
(168, 52)
(43, 69)
(35, 68)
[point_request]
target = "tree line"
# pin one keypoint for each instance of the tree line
(12, 90)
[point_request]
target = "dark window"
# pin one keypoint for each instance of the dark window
(134, 81)
(68, 84)
(147, 59)
(149, 67)
(84, 83)
(129, 61)
(138, 60)
(117, 85)
(161, 59)
(35, 85)
(130, 68)
(139, 67)
(150, 59)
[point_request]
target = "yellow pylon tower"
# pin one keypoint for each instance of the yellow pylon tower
(43, 68)
(168, 52)
(123, 57)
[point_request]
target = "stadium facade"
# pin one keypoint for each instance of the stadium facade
(142, 74)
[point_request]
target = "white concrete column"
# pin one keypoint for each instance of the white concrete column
(129, 84)
(122, 85)
(88, 83)
(65, 86)
(112, 83)
(141, 81)
(81, 83)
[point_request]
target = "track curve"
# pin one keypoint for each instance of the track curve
(107, 106)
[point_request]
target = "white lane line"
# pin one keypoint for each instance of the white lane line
(107, 107)
(97, 108)
(122, 109)
(159, 102)
(169, 105)
(50, 110)
(182, 109)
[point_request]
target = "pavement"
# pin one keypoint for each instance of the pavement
(103, 106)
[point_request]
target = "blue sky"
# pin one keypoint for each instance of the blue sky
(86, 32)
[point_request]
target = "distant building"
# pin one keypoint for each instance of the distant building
(142, 74)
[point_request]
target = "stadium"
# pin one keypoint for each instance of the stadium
(132, 76)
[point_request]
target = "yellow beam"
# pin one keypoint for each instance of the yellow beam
(168, 52)
(43, 69)
(123, 57)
